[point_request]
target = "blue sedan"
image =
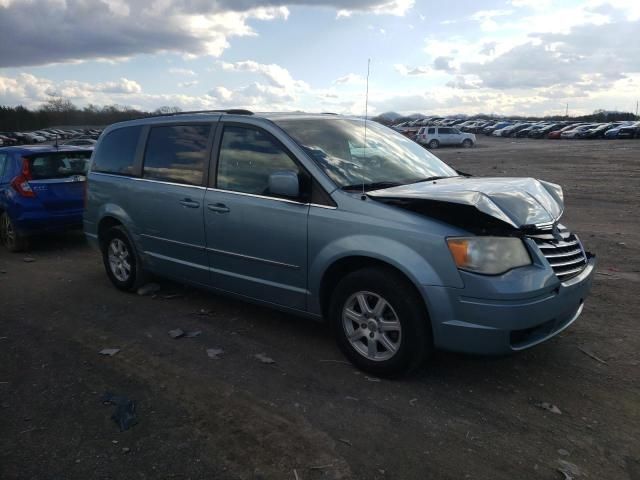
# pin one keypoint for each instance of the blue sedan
(41, 190)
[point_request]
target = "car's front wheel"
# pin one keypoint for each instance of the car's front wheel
(120, 260)
(380, 322)
(10, 237)
(467, 143)
(434, 144)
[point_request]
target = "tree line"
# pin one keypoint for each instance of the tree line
(60, 112)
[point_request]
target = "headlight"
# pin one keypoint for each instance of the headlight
(488, 255)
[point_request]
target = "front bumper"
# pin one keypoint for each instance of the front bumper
(506, 321)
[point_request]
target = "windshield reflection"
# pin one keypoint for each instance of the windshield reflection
(337, 146)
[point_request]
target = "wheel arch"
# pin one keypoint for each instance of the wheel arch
(346, 265)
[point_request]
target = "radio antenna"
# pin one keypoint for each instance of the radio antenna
(366, 115)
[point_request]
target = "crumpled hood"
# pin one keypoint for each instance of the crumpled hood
(517, 201)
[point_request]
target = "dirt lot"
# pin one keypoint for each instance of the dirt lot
(309, 415)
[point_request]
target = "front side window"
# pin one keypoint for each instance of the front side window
(117, 151)
(177, 153)
(248, 156)
(388, 158)
(432, 131)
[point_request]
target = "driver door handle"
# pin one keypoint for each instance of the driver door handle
(218, 207)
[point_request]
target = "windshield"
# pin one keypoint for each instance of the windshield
(59, 165)
(337, 146)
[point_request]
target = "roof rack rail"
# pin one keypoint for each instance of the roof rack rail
(230, 111)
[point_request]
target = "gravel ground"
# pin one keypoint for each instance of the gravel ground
(310, 415)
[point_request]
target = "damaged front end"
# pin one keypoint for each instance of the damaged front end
(501, 207)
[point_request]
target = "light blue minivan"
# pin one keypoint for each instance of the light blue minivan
(335, 218)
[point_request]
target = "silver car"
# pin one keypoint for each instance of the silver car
(435, 137)
(342, 220)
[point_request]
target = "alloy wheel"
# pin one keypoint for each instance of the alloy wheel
(118, 254)
(371, 326)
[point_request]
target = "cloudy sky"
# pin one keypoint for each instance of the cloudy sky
(463, 56)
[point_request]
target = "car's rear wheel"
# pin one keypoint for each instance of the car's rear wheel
(380, 322)
(467, 143)
(120, 260)
(10, 237)
(434, 144)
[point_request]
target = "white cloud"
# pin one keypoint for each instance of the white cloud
(274, 74)
(182, 71)
(349, 79)
(385, 7)
(188, 84)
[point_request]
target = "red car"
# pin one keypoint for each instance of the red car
(558, 133)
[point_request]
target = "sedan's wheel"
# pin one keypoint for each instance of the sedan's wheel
(467, 143)
(380, 322)
(372, 326)
(12, 240)
(434, 144)
(120, 260)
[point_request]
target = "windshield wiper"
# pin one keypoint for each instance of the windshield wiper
(429, 179)
(371, 186)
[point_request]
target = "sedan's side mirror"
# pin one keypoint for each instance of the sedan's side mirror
(284, 183)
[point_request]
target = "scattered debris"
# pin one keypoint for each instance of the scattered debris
(4, 338)
(172, 296)
(148, 289)
(295, 474)
(109, 351)
(352, 398)
(214, 353)
(125, 413)
(335, 361)
(115, 442)
(34, 429)
(28, 259)
(569, 470)
(193, 334)
(563, 452)
(264, 359)
(549, 407)
(413, 402)
(176, 333)
(589, 354)
(372, 379)
(126, 450)
(3, 272)
(320, 467)
(345, 441)
(203, 312)
(598, 272)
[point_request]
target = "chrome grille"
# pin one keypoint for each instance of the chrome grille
(566, 256)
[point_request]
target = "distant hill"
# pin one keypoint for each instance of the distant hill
(387, 117)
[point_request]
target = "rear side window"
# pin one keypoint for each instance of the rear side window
(117, 151)
(444, 131)
(4, 159)
(248, 157)
(59, 165)
(177, 153)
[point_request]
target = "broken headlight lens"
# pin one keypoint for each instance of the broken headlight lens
(488, 255)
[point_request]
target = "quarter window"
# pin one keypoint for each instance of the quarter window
(117, 151)
(248, 157)
(177, 153)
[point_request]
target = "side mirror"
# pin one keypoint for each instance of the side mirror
(284, 183)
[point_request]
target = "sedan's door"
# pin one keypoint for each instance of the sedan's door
(169, 200)
(257, 242)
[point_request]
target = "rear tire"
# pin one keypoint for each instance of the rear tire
(121, 260)
(467, 143)
(10, 237)
(386, 339)
(433, 144)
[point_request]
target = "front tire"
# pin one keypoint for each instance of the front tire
(10, 237)
(433, 144)
(380, 322)
(121, 260)
(467, 143)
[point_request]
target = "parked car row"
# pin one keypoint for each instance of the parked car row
(67, 136)
(422, 130)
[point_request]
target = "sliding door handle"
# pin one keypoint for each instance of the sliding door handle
(187, 202)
